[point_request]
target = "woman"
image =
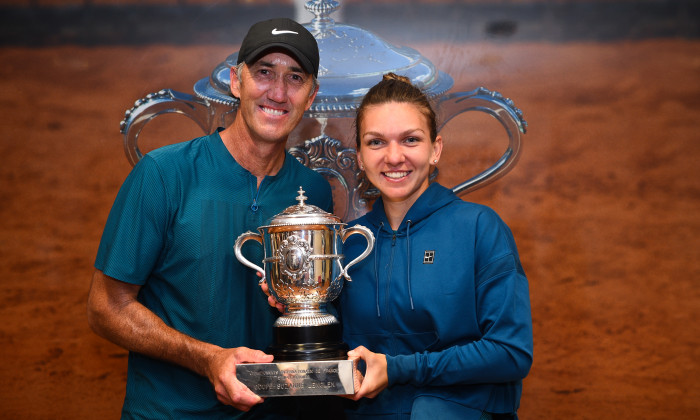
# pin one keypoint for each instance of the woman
(440, 311)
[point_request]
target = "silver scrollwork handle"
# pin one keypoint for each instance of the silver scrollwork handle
(357, 229)
(510, 117)
(246, 236)
(154, 104)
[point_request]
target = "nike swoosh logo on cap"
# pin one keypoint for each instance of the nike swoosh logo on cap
(278, 32)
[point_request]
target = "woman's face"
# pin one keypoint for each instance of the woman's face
(396, 151)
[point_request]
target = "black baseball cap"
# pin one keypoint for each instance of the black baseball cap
(281, 33)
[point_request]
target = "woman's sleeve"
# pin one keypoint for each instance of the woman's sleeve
(504, 351)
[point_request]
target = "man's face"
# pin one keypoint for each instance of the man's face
(274, 92)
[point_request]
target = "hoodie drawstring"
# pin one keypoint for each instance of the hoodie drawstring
(376, 269)
(408, 260)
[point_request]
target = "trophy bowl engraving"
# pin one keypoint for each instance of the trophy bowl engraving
(294, 255)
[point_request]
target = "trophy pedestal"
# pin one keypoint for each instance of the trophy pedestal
(308, 343)
(309, 360)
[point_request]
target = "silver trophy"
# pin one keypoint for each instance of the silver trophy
(304, 271)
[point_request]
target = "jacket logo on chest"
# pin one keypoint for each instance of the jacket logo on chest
(428, 257)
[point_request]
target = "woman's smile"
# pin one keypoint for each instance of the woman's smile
(396, 175)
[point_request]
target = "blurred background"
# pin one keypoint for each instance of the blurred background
(604, 202)
(132, 22)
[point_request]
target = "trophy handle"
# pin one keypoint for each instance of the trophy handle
(237, 250)
(154, 104)
(510, 117)
(359, 229)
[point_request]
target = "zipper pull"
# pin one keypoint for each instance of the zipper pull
(255, 191)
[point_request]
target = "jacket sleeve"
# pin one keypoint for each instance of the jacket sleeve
(503, 353)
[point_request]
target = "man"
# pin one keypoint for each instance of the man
(167, 286)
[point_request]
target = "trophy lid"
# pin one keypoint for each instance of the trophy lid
(304, 214)
(352, 60)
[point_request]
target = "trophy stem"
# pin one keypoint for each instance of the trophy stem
(321, 9)
(298, 315)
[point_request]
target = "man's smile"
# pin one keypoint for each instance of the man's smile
(272, 111)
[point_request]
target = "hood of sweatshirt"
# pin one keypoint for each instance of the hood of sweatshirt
(432, 199)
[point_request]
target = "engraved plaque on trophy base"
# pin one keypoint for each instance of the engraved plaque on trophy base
(286, 379)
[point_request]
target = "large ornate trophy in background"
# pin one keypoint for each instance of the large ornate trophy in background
(352, 61)
(304, 270)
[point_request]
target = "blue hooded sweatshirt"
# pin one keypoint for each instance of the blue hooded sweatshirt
(446, 299)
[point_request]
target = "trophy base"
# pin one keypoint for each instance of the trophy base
(309, 343)
(294, 379)
(309, 360)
